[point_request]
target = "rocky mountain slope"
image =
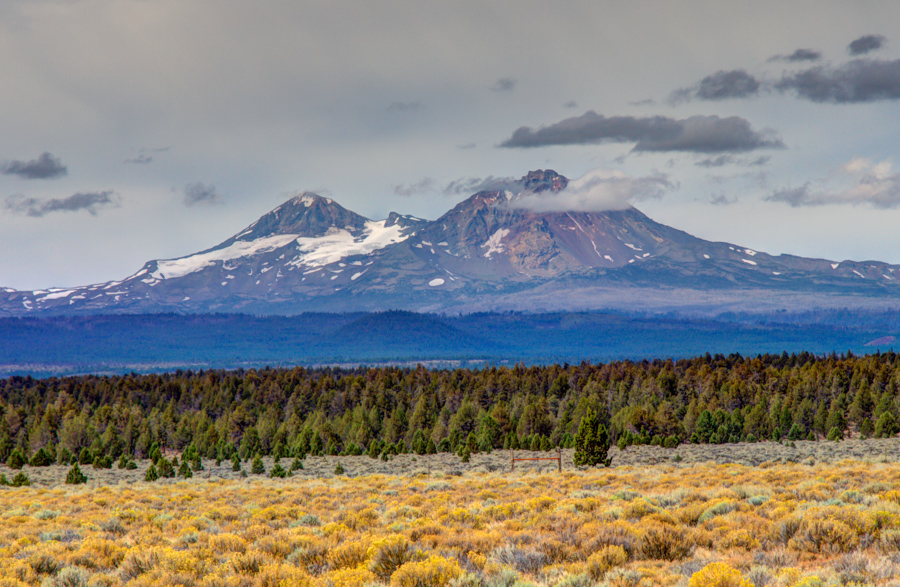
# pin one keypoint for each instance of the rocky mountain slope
(490, 252)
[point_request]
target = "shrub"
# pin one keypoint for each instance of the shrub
(605, 560)
(41, 459)
(20, 480)
(388, 555)
(664, 542)
(166, 468)
(348, 555)
(69, 577)
(184, 470)
(824, 535)
(16, 460)
(248, 563)
(152, 474)
(296, 465)
(527, 561)
(339, 469)
(85, 457)
(718, 575)
(436, 571)
(278, 472)
(75, 476)
(137, 562)
(835, 434)
(591, 442)
(886, 425)
(257, 468)
(104, 462)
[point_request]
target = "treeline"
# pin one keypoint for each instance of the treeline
(379, 411)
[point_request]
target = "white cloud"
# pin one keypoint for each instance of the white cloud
(871, 184)
(600, 190)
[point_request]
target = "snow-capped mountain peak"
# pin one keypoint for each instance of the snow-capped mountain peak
(489, 251)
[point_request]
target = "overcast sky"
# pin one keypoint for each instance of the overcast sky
(133, 130)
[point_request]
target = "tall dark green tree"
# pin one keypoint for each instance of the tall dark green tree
(591, 442)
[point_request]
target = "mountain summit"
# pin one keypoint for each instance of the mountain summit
(489, 252)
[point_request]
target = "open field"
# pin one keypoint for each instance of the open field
(815, 514)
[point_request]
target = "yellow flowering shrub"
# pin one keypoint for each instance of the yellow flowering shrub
(435, 571)
(718, 575)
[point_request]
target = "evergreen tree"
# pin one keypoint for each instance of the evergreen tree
(16, 459)
(886, 426)
(41, 458)
(75, 476)
(591, 442)
(257, 468)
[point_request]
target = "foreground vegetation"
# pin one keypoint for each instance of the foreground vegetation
(702, 525)
(224, 415)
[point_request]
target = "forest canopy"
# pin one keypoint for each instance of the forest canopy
(295, 412)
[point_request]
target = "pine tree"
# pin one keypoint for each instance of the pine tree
(591, 442)
(257, 468)
(16, 460)
(75, 476)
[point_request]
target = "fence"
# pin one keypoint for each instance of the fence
(557, 458)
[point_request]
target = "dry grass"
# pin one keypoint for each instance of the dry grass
(435, 521)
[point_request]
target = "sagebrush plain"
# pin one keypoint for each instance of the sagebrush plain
(811, 513)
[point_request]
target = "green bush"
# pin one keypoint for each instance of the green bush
(20, 480)
(75, 476)
(257, 468)
(85, 457)
(16, 460)
(591, 442)
(152, 474)
(41, 459)
(278, 472)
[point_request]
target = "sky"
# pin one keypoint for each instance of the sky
(133, 130)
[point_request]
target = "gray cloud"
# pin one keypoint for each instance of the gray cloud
(799, 55)
(866, 44)
(794, 197)
(504, 84)
(872, 184)
(721, 85)
(463, 185)
(698, 134)
(141, 159)
(422, 186)
(36, 208)
(198, 193)
(472, 185)
(46, 166)
(405, 106)
(722, 160)
(715, 161)
(571, 104)
(860, 80)
(599, 190)
(721, 200)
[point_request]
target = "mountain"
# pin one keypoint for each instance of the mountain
(493, 251)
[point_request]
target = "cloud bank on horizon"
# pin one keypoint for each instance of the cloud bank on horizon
(770, 139)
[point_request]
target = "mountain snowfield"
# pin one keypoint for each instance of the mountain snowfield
(490, 252)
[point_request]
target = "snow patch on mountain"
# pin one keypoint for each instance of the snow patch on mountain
(172, 268)
(338, 244)
(494, 244)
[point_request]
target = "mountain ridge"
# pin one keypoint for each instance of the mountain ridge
(492, 251)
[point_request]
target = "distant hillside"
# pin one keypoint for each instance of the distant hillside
(161, 342)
